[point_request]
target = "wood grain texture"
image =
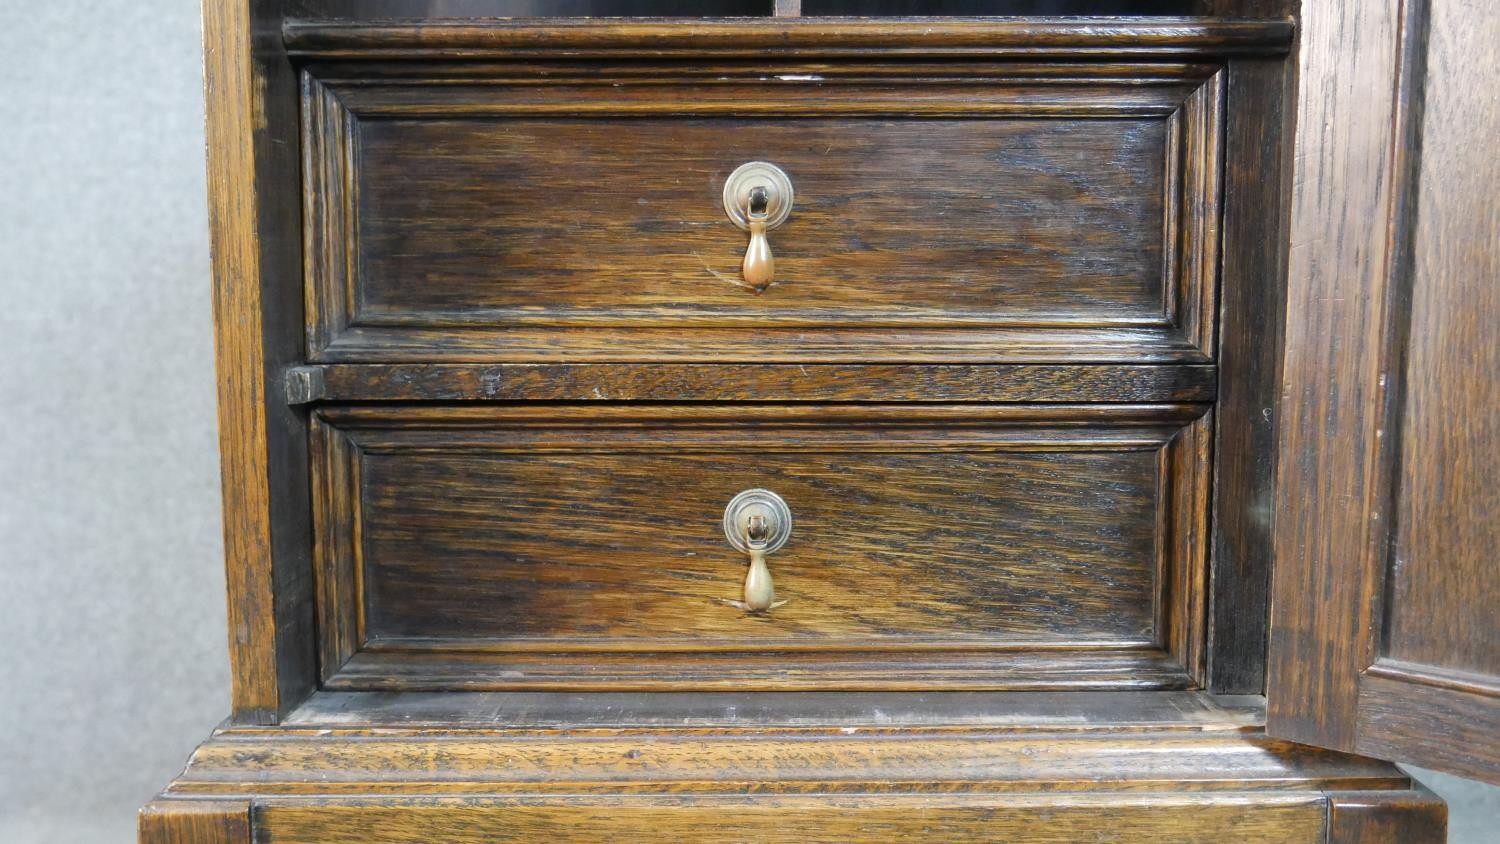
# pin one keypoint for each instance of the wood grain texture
(1337, 370)
(475, 665)
(948, 38)
(572, 220)
(476, 224)
(752, 382)
(1282, 819)
(252, 177)
(1067, 711)
(542, 531)
(1416, 816)
(1445, 571)
(195, 822)
(1100, 757)
(1251, 313)
(1392, 632)
(1086, 769)
(957, 546)
(1434, 718)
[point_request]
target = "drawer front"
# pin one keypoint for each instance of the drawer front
(535, 547)
(1016, 213)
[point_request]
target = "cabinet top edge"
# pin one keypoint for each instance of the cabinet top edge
(906, 38)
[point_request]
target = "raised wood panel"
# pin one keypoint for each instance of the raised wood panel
(1445, 568)
(536, 532)
(581, 218)
(960, 546)
(1386, 638)
(581, 221)
(862, 767)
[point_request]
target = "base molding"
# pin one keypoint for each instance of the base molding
(1193, 780)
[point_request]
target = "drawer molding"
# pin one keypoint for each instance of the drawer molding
(945, 37)
(1026, 651)
(865, 383)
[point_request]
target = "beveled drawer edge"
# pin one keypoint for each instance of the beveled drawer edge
(864, 383)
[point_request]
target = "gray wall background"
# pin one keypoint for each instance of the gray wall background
(111, 586)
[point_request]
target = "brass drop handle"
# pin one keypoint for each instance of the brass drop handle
(758, 197)
(758, 522)
(760, 265)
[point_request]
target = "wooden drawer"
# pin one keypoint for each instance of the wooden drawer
(971, 212)
(978, 546)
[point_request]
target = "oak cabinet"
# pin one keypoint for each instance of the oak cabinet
(848, 427)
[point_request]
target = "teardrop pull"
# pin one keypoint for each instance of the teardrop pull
(760, 592)
(760, 266)
(758, 198)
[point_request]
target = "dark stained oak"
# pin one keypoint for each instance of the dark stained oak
(576, 221)
(958, 545)
(1415, 816)
(947, 37)
(1445, 575)
(1251, 313)
(1336, 373)
(936, 528)
(1045, 819)
(253, 234)
(196, 822)
(1385, 633)
(1075, 342)
(1057, 711)
(752, 382)
(937, 219)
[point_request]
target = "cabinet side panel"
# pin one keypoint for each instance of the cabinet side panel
(254, 235)
(1253, 275)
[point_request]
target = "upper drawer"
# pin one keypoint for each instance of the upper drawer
(989, 212)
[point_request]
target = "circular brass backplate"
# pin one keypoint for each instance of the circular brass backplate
(762, 502)
(748, 176)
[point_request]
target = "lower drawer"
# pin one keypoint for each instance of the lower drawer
(582, 547)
